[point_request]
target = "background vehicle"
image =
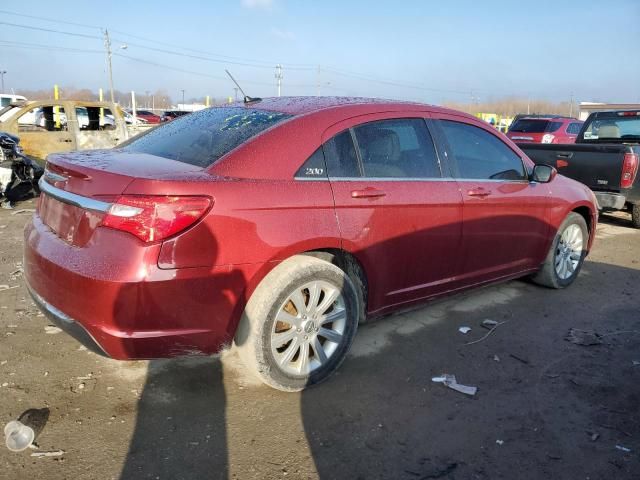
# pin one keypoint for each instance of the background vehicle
(172, 114)
(540, 129)
(50, 126)
(24, 174)
(6, 99)
(146, 115)
(282, 223)
(604, 158)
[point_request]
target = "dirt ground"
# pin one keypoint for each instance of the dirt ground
(545, 407)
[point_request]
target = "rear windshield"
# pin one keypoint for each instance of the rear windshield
(203, 137)
(530, 126)
(613, 127)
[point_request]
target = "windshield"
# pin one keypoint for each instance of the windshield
(613, 127)
(530, 126)
(203, 137)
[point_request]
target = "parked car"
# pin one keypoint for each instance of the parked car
(49, 126)
(280, 224)
(604, 157)
(540, 129)
(172, 114)
(146, 115)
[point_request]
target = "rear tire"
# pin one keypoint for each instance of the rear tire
(635, 215)
(566, 255)
(299, 323)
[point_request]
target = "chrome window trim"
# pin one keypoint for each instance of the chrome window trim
(410, 179)
(72, 198)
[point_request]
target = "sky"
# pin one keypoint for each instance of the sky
(428, 51)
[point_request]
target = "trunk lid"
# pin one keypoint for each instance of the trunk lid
(79, 186)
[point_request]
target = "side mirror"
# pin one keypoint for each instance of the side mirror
(543, 173)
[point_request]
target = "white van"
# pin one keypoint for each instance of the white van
(6, 99)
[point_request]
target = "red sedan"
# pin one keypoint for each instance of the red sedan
(280, 224)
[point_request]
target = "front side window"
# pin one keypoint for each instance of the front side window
(399, 148)
(202, 137)
(481, 155)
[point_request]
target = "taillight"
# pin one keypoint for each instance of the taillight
(629, 170)
(154, 218)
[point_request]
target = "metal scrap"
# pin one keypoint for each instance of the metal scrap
(450, 381)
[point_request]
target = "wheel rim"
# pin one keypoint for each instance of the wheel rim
(569, 252)
(309, 327)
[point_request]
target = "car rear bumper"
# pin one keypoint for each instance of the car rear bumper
(113, 298)
(610, 201)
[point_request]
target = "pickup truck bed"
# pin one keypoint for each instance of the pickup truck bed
(598, 166)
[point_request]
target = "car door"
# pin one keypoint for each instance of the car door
(395, 211)
(505, 227)
(43, 130)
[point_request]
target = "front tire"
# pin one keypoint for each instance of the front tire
(299, 323)
(566, 255)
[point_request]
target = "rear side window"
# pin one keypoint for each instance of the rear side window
(400, 148)
(203, 137)
(529, 126)
(340, 156)
(553, 126)
(574, 128)
(481, 155)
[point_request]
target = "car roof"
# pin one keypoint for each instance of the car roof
(304, 105)
(551, 117)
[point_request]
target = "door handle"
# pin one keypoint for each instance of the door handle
(368, 192)
(479, 192)
(65, 140)
(565, 154)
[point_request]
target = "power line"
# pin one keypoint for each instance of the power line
(50, 30)
(38, 46)
(50, 19)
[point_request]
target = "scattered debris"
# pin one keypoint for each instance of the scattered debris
(52, 330)
(492, 325)
(500, 442)
(23, 210)
(7, 287)
(489, 324)
(464, 330)
(551, 456)
(594, 437)
(451, 382)
(20, 434)
(635, 362)
(496, 358)
(583, 337)
(521, 360)
(52, 453)
(623, 449)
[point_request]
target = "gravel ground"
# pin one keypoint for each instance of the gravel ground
(545, 407)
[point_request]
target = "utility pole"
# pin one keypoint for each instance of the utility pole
(107, 46)
(235, 90)
(182, 98)
(279, 77)
(318, 82)
(571, 106)
(2, 72)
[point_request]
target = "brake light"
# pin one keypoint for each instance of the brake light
(547, 138)
(628, 114)
(629, 170)
(155, 218)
